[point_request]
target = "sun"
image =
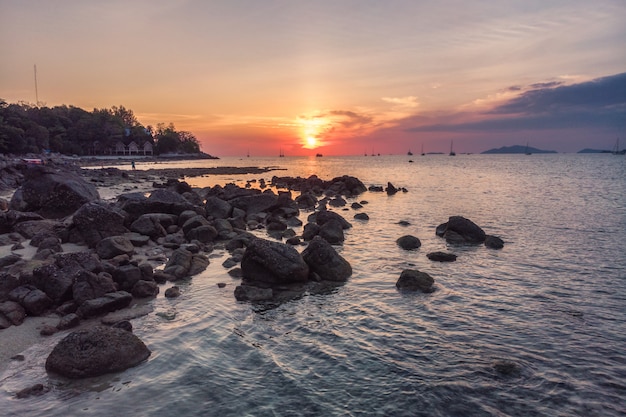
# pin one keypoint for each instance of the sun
(312, 131)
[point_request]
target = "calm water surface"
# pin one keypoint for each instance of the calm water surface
(553, 302)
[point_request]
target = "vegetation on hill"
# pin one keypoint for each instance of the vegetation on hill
(69, 130)
(516, 149)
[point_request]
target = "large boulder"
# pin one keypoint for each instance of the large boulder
(53, 194)
(458, 229)
(96, 351)
(270, 263)
(324, 260)
(34, 301)
(88, 286)
(218, 208)
(96, 220)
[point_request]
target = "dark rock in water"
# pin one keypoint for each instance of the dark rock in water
(112, 246)
(507, 368)
(13, 311)
(252, 293)
(123, 325)
(332, 232)
(9, 260)
(408, 242)
(414, 280)
(376, 188)
(441, 256)
(199, 263)
(273, 263)
(95, 221)
(310, 231)
(221, 284)
(105, 304)
(96, 351)
(337, 202)
(51, 243)
(143, 289)
(460, 230)
(494, 242)
(53, 194)
(235, 273)
(323, 217)
(30, 228)
(361, 216)
(127, 276)
(404, 223)
(306, 201)
(149, 225)
(35, 390)
(324, 260)
(391, 190)
(356, 206)
(172, 292)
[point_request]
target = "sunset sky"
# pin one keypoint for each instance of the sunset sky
(338, 77)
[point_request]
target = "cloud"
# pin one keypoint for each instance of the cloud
(600, 103)
(350, 119)
(409, 101)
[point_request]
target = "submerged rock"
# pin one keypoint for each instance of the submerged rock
(273, 263)
(441, 256)
(324, 260)
(96, 351)
(408, 242)
(494, 242)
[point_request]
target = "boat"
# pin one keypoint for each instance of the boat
(616, 148)
(318, 155)
(527, 151)
(423, 150)
(281, 153)
(409, 153)
(452, 153)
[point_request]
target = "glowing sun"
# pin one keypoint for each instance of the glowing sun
(312, 131)
(311, 142)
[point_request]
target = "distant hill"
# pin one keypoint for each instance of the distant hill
(515, 149)
(588, 150)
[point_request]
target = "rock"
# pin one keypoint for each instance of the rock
(112, 246)
(51, 243)
(356, 206)
(9, 260)
(127, 314)
(137, 239)
(127, 276)
(332, 232)
(34, 301)
(48, 330)
(217, 208)
(96, 221)
(507, 368)
(391, 190)
(361, 216)
(13, 311)
(461, 230)
(105, 304)
(441, 256)
(235, 273)
(179, 263)
(408, 242)
(252, 293)
(143, 289)
(494, 242)
(35, 390)
(30, 228)
(88, 285)
(53, 194)
(273, 263)
(68, 321)
(325, 216)
(414, 280)
(310, 231)
(123, 325)
(96, 351)
(324, 260)
(149, 225)
(337, 202)
(253, 204)
(172, 292)
(203, 234)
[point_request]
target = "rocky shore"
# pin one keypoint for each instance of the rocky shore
(135, 246)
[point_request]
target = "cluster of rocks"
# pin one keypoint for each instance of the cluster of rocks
(457, 231)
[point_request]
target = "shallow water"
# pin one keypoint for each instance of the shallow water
(551, 302)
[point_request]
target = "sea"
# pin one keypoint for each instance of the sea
(537, 328)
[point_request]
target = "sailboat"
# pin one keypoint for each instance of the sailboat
(281, 153)
(452, 153)
(527, 151)
(616, 148)
(423, 150)
(409, 153)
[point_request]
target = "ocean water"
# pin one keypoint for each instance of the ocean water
(552, 303)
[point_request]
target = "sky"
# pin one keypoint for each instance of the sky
(339, 77)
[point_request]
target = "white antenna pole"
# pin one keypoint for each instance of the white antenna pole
(36, 92)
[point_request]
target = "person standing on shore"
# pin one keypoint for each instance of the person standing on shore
(132, 164)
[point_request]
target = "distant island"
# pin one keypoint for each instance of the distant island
(516, 149)
(589, 150)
